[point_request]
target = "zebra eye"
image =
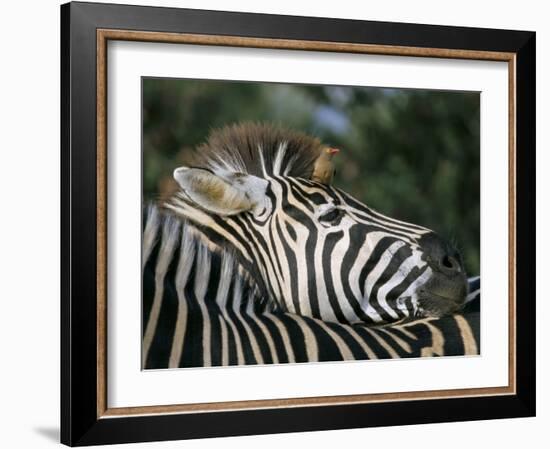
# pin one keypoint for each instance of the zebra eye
(332, 215)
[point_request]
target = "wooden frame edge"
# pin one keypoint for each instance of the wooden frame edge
(101, 223)
(293, 44)
(317, 401)
(103, 35)
(512, 225)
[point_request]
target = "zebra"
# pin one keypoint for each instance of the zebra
(200, 310)
(308, 248)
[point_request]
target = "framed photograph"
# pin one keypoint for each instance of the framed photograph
(281, 224)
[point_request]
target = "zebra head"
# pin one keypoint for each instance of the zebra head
(309, 247)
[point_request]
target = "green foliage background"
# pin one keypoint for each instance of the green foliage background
(410, 154)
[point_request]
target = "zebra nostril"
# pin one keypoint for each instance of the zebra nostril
(449, 263)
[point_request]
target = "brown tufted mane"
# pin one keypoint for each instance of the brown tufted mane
(237, 148)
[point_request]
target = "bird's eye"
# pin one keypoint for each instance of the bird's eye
(332, 215)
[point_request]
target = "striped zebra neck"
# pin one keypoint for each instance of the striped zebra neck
(199, 311)
(184, 256)
(241, 336)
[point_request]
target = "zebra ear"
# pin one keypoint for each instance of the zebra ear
(222, 194)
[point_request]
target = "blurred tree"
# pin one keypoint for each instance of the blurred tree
(411, 154)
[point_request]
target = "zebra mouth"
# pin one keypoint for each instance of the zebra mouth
(437, 304)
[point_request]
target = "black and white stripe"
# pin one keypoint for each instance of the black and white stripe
(200, 309)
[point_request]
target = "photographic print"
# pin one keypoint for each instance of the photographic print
(294, 223)
(273, 224)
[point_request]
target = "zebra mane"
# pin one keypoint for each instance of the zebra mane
(258, 149)
(178, 239)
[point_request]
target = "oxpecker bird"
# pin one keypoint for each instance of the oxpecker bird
(323, 170)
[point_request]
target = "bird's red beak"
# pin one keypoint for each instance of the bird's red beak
(333, 151)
